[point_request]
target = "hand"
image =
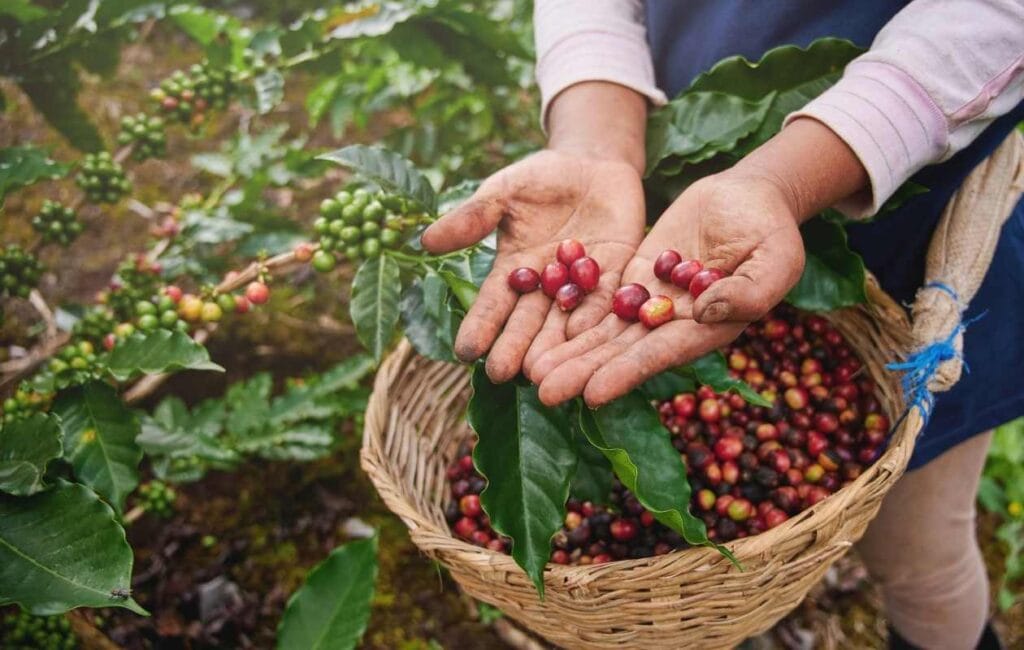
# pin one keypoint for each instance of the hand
(744, 224)
(534, 204)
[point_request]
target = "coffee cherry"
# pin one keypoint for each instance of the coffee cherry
(323, 262)
(553, 277)
(211, 312)
(102, 178)
(704, 279)
(623, 529)
(173, 292)
(585, 273)
(257, 293)
(795, 398)
(20, 272)
(303, 252)
(465, 527)
(560, 557)
(569, 297)
(656, 311)
(682, 273)
(57, 224)
(469, 505)
(728, 448)
(665, 263)
(569, 250)
(740, 510)
(523, 280)
(627, 300)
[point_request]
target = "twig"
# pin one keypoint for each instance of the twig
(91, 637)
(132, 515)
(37, 301)
(13, 370)
(254, 270)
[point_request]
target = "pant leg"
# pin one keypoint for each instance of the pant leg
(923, 551)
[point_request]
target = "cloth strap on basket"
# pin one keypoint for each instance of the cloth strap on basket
(959, 255)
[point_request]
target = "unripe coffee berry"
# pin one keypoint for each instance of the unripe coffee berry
(569, 250)
(585, 272)
(704, 279)
(568, 297)
(523, 280)
(664, 264)
(628, 299)
(553, 277)
(657, 311)
(303, 252)
(682, 273)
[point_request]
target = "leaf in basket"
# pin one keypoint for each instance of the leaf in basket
(833, 275)
(630, 434)
(527, 454)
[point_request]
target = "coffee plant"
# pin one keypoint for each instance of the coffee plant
(448, 77)
(1002, 493)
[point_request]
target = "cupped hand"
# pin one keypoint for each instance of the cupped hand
(534, 204)
(742, 224)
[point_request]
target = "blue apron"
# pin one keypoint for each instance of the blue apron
(689, 37)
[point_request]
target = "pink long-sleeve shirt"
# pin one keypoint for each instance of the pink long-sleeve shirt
(935, 76)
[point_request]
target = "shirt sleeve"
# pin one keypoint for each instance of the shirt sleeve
(592, 40)
(936, 75)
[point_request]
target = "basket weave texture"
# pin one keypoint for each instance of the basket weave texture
(688, 599)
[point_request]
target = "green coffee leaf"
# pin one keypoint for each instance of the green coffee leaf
(22, 166)
(712, 370)
(26, 447)
(371, 20)
(389, 170)
(62, 549)
(374, 305)
(269, 88)
(593, 478)
(331, 610)
(159, 351)
(833, 274)
(428, 321)
(630, 434)
(527, 454)
(99, 440)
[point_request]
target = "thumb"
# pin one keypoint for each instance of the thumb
(759, 283)
(465, 225)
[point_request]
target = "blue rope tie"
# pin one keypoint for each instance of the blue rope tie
(921, 366)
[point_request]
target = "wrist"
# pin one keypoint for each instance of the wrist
(600, 120)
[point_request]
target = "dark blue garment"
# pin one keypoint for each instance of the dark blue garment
(689, 37)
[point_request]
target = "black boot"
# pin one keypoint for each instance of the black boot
(989, 640)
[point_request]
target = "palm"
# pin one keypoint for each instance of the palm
(534, 204)
(744, 230)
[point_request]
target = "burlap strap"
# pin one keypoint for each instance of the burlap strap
(960, 253)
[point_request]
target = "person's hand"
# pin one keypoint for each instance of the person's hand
(744, 224)
(534, 204)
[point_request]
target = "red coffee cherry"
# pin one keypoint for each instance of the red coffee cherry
(568, 297)
(657, 311)
(553, 277)
(585, 272)
(257, 293)
(523, 280)
(682, 273)
(628, 299)
(667, 261)
(704, 279)
(569, 250)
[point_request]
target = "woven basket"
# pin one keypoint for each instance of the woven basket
(692, 598)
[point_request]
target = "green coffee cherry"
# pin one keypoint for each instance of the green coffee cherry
(146, 135)
(57, 224)
(102, 179)
(20, 272)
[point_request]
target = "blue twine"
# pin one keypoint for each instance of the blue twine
(921, 366)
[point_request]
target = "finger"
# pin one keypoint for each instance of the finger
(464, 226)
(673, 344)
(551, 335)
(606, 330)
(527, 319)
(757, 284)
(486, 317)
(570, 378)
(595, 306)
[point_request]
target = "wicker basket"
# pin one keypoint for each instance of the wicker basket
(691, 598)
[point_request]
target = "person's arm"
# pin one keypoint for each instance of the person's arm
(936, 75)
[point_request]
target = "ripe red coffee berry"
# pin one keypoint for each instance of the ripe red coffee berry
(173, 292)
(569, 250)
(703, 280)
(682, 273)
(569, 296)
(728, 448)
(667, 261)
(464, 527)
(657, 311)
(523, 280)
(469, 505)
(559, 556)
(585, 272)
(553, 277)
(257, 293)
(628, 299)
(623, 529)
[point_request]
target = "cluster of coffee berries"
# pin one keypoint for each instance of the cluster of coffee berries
(186, 96)
(753, 467)
(688, 275)
(21, 631)
(160, 312)
(357, 226)
(567, 280)
(57, 223)
(146, 135)
(25, 401)
(20, 272)
(95, 323)
(102, 178)
(74, 364)
(158, 498)
(633, 302)
(592, 533)
(137, 278)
